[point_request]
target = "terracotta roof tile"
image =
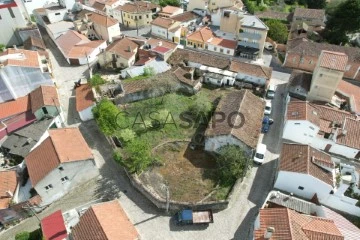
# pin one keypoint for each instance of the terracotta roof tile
(20, 57)
(56, 149)
(226, 43)
(163, 22)
(290, 225)
(14, 107)
(44, 96)
(185, 17)
(121, 48)
(99, 6)
(160, 42)
(349, 136)
(161, 49)
(53, 226)
(170, 9)
(352, 91)
(8, 183)
(333, 60)
(84, 97)
(98, 223)
(137, 7)
(250, 107)
(34, 42)
(251, 69)
(102, 20)
(301, 110)
(310, 13)
(299, 158)
(180, 56)
(202, 35)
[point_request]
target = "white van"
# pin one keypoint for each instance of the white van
(260, 153)
(271, 92)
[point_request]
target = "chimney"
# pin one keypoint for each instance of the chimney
(192, 70)
(269, 232)
(160, 43)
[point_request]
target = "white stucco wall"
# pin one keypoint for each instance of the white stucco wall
(159, 31)
(87, 114)
(78, 172)
(216, 48)
(216, 18)
(342, 203)
(251, 79)
(9, 25)
(56, 16)
(311, 185)
(305, 135)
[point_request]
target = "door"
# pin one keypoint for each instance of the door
(74, 61)
(228, 82)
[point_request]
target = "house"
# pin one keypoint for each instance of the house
(45, 102)
(322, 127)
(252, 73)
(57, 29)
(53, 226)
(283, 223)
(309, 16)
(37, 44)
(85, 101)
(98, 221)
(98, 26)
(252, 37)
(249, 111)
(110, 6)
(78, 49)
(199, 38)
(60, 163)
(304, 55)
(197, 59)
(278, 200)
(136, 14)
(351, 94)
(187, 19)
(32, 5)
(219, 79)
(166, 28)
(313, 175)
(158, 65)
(22, 71)
(170, 11)
(166, 50)
(13, 16)
(24, 140)
(270, 14)
(310, 170)
(55, 13)
(8, 186)
(119, 54)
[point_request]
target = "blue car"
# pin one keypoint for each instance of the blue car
(266, 124)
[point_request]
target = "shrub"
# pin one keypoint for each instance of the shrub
(96, 80)
(126, 135)
(106, 114)
(22, 236)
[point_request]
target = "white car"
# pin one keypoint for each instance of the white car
(260, 153)
(270, 94)
(267, 108)
(268, 46)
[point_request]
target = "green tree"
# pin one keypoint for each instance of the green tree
(233, 164)
(106, 116)
(344, 19)
(200, 105)
(139, 157)
(96, 80)
(277, 30)
(149, 71)
(175, 3)
(126, 135)
(22, 236)
(316, 4)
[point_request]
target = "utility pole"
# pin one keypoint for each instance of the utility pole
(166, 186)
(89, 69)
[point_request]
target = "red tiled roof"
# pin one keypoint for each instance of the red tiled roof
(202, 35)
(53, 226)
(160, 42)
(170, 9)
(105, 221)
(161, 49)
(301, 110)
(185, 17)
(99, 6)
(20, 57)
(163, 22)
(309, 13)
(226, 43)
(121, 48)
(44, 96)
(84, 97)
(333, 60)
(299, 158)
(63, 145)
(250, 107)
(14, 107)
(349, 135)
(102, 20)
(289, 225)
(251, 69)
(137, 7)
(352, 91)
(8, 183)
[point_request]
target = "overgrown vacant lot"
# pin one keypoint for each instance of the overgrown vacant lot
(191, 175)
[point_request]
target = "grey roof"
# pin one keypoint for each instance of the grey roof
(59, 28)
(159, 67)
(254, 22)
(22, 141)
(290, 202)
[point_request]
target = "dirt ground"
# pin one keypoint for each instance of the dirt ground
(190, 174)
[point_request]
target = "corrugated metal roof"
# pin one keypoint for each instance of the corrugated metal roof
(159, 67)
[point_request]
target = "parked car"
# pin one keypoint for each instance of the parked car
(190, 217)
(270, 94)
(266, 124)
(267, 108)
(268, 46)
(260, 153)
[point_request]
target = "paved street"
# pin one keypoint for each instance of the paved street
(152, 224)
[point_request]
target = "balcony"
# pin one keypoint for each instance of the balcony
(254, 36)
(248, 44)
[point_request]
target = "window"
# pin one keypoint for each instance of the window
(48, 187)
(140, 17)
(45, 111)
(301, 187)
(11, 12)
(312, 128)
(61, 168)
(221, 50)
(215, 48)
(297, 123)
(0, 17)
(348, 67)
(135, 18)
(206, 47)
(320, 75)
(64, 179)
(57, 14)
(228, 51)
(147, 15)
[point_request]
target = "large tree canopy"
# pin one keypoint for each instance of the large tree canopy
(316, 4)
(277, 31)
(106, 114)
(343, 20)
